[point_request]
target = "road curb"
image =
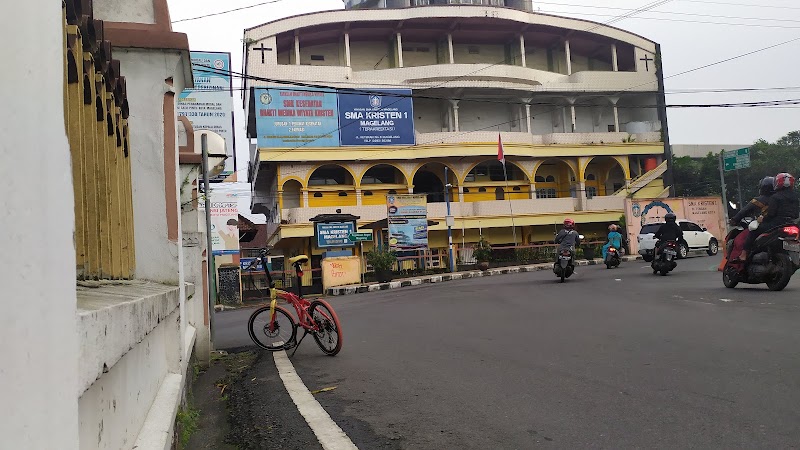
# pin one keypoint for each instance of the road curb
(443, 278)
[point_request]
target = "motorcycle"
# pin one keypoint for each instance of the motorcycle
(775, 257)
(613, 258)
(665, 256)
(564, 266)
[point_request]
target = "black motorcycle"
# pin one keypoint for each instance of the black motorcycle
(665, 256)
(775, 258)
(613, 258)
(564, 266)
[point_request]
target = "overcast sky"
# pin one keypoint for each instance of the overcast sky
(682, 27)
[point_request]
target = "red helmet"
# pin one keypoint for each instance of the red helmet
(784, 181)
(569, 223)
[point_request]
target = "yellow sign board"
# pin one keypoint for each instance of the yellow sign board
(341, 271)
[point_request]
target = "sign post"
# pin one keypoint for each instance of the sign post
(734, 160)
(724, 188)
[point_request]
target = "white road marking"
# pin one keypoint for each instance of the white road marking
(617, 279)
(330, 436)
(725, 300)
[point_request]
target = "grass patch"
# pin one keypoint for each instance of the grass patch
(186, 423)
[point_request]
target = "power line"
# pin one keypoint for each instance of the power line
(226, 11)
(708, 22)
(709, 2)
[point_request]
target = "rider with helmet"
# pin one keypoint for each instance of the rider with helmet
(670, 231)
(614, 239)
(757, 206)
(783, 207)
(568, 238)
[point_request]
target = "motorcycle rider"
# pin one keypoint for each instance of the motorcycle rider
(757, 206)
(614, 240)
(568, 238)
(670, 231)
(783, 207)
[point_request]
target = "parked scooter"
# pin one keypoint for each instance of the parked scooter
(666, 254)
(613, 258)
(776, 256)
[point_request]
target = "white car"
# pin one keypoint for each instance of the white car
(696, 237)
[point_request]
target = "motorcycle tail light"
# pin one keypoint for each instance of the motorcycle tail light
(791, 230)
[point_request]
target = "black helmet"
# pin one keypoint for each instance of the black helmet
(670, 217)
(767, 186)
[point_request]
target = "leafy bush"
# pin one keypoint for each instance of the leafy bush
(382, 259)
(482, 250)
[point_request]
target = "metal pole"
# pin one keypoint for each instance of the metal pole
(724, 188)
(739, 187)
(212, 284)
(449, 228)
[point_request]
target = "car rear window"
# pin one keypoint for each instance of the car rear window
(650, 228)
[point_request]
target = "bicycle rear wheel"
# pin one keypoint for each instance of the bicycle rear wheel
(277, 337)
(329, 335)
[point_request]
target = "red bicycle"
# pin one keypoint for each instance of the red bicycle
(273, 327)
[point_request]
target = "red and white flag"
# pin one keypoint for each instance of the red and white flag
(501, 156)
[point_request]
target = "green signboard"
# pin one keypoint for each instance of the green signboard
(736, 159)
(360, 237)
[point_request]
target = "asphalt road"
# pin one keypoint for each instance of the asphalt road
(610, 359)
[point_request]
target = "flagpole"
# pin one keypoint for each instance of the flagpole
(502, 158)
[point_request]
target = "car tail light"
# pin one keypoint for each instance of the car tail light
(791, 230)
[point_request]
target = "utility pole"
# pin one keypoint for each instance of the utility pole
(449, 220)
(724, 188)
(212, 285)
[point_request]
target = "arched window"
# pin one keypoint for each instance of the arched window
(317, 194)
(590, 177)
(367, 192)
(482, 190)
(550, 179)
(499, 194)
(517, 188)
(342, 194)
(539, 179)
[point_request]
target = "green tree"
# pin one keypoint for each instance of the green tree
(700, 177)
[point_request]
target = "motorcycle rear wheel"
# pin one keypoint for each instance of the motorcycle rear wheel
(781, 280)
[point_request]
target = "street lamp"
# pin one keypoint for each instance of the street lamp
(212, 146)
(449, 220)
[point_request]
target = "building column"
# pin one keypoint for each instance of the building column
(358, 197)
(297, 49)
(573, 114)
(450, 48)
(399, 50)
(347, 49)
(411, 189)
(305, 198)
(461, 194)
(614, 101)
(528, 118)
(569, 57)
(280, 199)
(533, 190)
(614, 61)
(522, 50)
(455, 126)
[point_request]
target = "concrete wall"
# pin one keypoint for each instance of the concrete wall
(136, 11)
(412, 56)
(333, 54)
(365, 55)
(487, 54)
(39, 374)
(146, 72)
(484, 115)
(428, 116)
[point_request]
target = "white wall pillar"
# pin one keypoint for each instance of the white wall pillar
(305, 198)
(39, 379)
(614, 60)
(461, 194)
(522, 50)
(614, 101)
(450, 48)
(358, 197)
(347, 49)
(455, 126)
(297, 49)
(399, 49)
(568, 57)
(528, 118)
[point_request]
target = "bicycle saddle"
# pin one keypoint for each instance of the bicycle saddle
(299, 259)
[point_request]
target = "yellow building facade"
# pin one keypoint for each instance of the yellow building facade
(577, 105)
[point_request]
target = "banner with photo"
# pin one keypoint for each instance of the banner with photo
(209, 105)
(408, 221)
(224, 223)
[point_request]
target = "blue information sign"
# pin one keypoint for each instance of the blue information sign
(334, 234)
(294, 118)
(371, 118)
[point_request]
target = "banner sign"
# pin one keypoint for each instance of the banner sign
(321, 117)
(224, 223)
(706, 212)
(334, 234)
(209, 105)
(408, 221)
(290, 118)
(370, 118)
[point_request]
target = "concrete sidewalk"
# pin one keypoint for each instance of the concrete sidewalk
(440, 278)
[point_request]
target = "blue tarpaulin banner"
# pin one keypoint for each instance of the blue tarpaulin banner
(374, 118)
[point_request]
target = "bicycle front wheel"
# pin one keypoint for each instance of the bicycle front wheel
(329, 333)
(272, 336)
